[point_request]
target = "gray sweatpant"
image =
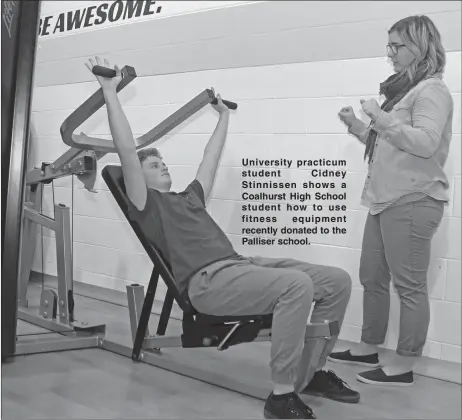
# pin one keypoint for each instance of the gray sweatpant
(284, 287)
(398, 241)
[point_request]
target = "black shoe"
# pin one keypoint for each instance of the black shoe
(379, 377)
(369, 360)
(287, 406)
(329, 385)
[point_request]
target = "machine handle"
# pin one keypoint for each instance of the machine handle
(229, 104)
(103, 71)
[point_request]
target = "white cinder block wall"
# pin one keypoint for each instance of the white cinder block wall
(291, 66)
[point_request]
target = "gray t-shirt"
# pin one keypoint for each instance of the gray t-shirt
(181, 229)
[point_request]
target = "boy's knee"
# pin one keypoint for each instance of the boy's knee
(301, 284)
(342, 281)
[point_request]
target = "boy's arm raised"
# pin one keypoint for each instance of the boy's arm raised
(123, 137)
(208, 167)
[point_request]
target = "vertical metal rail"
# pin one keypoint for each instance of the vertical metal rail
(28, 241)
(64, 264)
(17, 145)
(135, 298)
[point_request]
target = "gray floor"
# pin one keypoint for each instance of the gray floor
(97, 384)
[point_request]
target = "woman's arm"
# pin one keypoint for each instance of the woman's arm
(429, 115)
(359, 130)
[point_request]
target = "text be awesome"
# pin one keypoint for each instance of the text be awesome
(96, 15)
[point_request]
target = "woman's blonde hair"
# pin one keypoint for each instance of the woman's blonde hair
(420, 35)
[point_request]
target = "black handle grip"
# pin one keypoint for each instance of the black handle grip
(103, 71)
(229, 104)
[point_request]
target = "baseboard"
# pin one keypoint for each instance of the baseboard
(426, 366)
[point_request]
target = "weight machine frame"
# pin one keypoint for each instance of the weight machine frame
(56, 310)
(198, 330)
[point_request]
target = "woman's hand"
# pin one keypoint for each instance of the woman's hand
(347, 116)
(371, 108)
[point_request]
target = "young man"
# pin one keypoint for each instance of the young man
(218, 280)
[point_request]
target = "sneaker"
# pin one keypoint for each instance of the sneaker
(379, 377)
(329, 385)
(369, 360)
(287, 406)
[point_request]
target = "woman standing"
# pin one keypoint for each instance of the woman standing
(407, 145)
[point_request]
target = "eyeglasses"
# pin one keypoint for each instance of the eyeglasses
(394, 48)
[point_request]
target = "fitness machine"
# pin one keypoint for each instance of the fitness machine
(198, 330)
(57, 310)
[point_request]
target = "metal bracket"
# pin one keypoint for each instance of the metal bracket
(48, 304)
(83, 166)
(88, 177)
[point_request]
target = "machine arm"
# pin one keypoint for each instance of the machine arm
(84, 148)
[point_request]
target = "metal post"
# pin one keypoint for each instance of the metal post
(165, 314)
(318, 336)
(143, 323)
(19, 37)
(64, 263)
(309, 361)
(135, 297)
(29, 232)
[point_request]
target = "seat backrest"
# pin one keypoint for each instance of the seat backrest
(112, 175)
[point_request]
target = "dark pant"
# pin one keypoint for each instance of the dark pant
(397, 243)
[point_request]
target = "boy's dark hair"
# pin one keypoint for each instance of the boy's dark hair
(145, 153)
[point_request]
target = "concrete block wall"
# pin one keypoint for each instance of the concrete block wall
(291, 66)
